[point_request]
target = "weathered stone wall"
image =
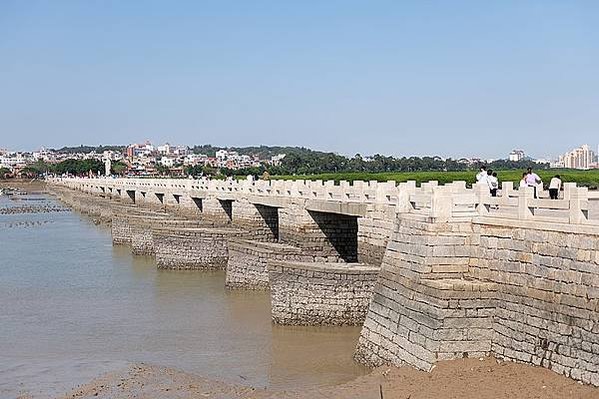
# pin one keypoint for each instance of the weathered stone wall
(193, 248)
(548, 295)
(120, 230)
(217, 210)
(374, 231)
(331, 236)
(142, 237)
(523, 290)
(263, 221)
(419, 322)
(247, 265)
(123, 218)
(320, 293)
(409, 310)
(190, 207)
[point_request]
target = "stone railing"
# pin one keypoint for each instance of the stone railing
(359, 191)
(452, 201)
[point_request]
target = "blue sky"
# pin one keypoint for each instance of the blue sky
(453, 78)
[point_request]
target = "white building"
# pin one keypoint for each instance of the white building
(112, 155)
(579, 158)
(221, 155)
(12, 160)
(43, 154)
(164, 149)
(516, 155)
(168, 162)
(276, 159)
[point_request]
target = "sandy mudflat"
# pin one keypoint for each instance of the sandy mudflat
(464, 379)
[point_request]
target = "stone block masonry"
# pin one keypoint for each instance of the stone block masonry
(262, 221)
(419, 323)
(548, 288)
(120, 230)
(320, 293)
(247, 265)
(374, 232)
(522, 290)
(193, 248)
(329, 235)
(142, 237)
(121, 223)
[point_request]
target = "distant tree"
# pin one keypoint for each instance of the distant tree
(78, 166)
(88, 148)
(163, 170)
(4, 172)
(118, 168)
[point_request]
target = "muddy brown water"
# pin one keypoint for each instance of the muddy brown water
(72, 307)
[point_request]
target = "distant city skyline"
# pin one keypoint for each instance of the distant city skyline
(451, 79)
(522, 152)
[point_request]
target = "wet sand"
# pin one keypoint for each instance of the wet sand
(464, 379)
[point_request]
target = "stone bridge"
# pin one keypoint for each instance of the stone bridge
(431, 272)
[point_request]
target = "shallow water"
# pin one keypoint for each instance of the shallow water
(72, 306)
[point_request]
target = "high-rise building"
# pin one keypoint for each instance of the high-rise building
(579, 158)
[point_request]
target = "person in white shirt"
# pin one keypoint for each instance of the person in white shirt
(493, 182)
(554, 186)
(482, 174)
(523, 180)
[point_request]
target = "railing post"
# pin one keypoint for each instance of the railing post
(579, 205)
(526, 195)
(568, 189)
(441, 203)
(507, 188)
(404, 190)
(458, 187)
(482, 196)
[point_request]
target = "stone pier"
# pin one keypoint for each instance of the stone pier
(311, 293)
(204, 248)
(247, 264)
(142, 232)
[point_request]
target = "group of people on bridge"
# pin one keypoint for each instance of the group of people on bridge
(529, 179)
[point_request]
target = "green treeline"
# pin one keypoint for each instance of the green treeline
(303, 161)
(311, 162)
(72, 167)
(89, 148)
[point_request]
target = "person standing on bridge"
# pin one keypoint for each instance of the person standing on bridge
(554, 186)
(523, 180)
(532, 180)
(493, 182)
(481, 176)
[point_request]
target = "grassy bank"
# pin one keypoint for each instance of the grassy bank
(588, 178)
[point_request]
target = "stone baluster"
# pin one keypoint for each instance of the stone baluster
(526, 196)
(458, 187)
(482, 198)
(568, 189)
(507, 189)
(404, 191)
(579, 203)
(385, 191)
(441, 203)
(359, 189)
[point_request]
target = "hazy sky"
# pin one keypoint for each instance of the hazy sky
(394, 77)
